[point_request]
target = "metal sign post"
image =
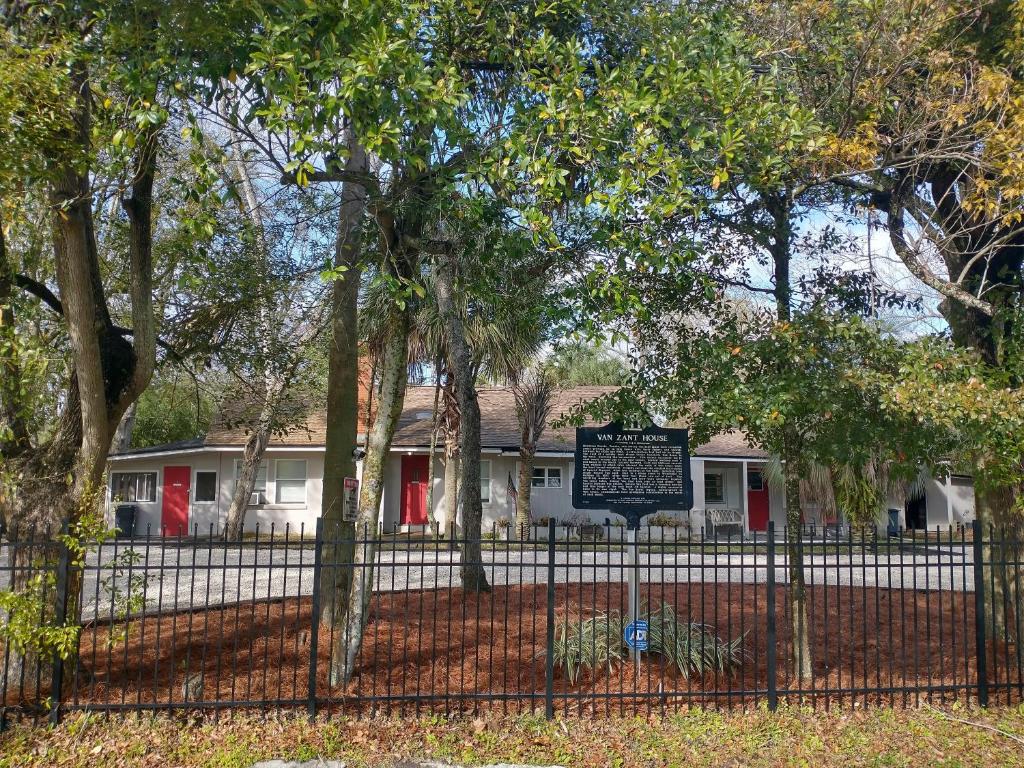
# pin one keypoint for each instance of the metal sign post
(633, 585)
(636, 629)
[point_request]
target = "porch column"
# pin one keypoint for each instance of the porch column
(949, 499)
(744, 505)
(697, 473)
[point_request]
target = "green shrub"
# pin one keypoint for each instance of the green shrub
(590, 644)
(694, 649)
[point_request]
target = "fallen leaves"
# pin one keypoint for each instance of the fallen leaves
(685, 738)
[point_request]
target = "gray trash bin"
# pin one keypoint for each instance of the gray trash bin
(892, 528)
(125, 518)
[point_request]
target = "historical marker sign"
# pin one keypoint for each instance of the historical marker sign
(632, 471)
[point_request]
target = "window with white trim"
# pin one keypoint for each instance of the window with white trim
(290, 481)
(259, 485)
(714, 488)
(206, 486)
(133, 486)
(485, 481)
(546, 477)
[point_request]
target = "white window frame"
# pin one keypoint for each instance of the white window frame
(137, 473)
(546, 477)
(195, 486)
(721, 485)
(278, 482)
(485, 493)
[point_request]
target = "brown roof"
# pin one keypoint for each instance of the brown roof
(730, 444)
(499, 428)
(230, 428)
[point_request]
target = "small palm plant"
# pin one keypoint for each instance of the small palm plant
(599, 642)
(590, 644)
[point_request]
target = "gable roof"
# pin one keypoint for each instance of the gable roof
(730, 445)
(499, 427)
(191, 444)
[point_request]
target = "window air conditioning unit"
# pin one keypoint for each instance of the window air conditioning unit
(255, 498)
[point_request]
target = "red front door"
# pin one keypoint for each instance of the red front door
(174, 512)
(414, 490)
(757, 500)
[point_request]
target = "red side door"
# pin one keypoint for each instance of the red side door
(757, 501)
(414, 490)
(174, 511)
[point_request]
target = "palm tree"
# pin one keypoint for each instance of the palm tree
(860, 491)
(502, 335)
(534, 395)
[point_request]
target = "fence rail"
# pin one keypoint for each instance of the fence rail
(200, 622)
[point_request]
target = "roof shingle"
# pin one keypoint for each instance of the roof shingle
(499, 427)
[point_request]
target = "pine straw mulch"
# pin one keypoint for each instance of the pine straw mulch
(443, 651)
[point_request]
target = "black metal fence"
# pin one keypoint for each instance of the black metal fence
(198, 622)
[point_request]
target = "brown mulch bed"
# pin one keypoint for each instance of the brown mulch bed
(467, 651)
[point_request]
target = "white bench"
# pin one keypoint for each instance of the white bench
(724, 518)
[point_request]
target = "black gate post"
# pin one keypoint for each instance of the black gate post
(771, 631)
(979, 613)
(60, 618)
(314, 631)
(549, 660)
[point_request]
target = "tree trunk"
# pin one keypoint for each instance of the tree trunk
(451, 493)
(778, 206)
(123, 434)
(474, 578)
(524, 513)
(1000, 530)
(348, 637)
(431, 475)
(252, 457)
(342, 393)
(797, 582)
(61, 481)
(451, 463)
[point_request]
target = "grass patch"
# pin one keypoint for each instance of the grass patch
(790, 737)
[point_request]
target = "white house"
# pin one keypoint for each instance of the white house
(187, 485)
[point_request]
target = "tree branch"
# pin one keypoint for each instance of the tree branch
(47, 296)
(909, 256)
(40, 291)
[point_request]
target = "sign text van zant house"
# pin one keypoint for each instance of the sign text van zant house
(633, 472)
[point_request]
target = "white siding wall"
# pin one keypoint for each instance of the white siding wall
(205, 514)
(546, 502)
(149, 512)
(963, 500)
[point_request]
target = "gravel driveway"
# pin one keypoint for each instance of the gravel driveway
(212, 574)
